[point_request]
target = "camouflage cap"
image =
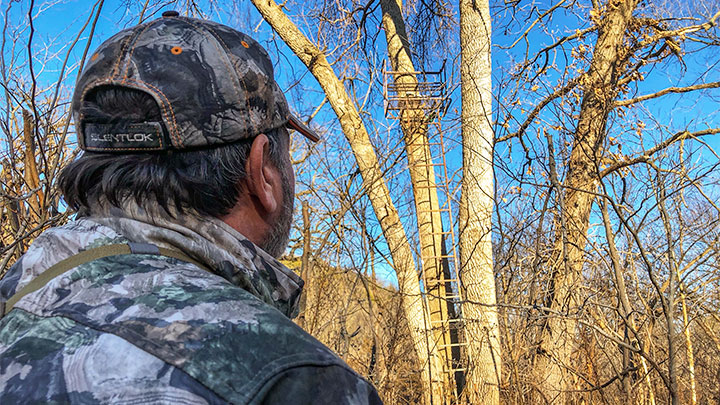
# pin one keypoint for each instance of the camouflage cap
(213, 85)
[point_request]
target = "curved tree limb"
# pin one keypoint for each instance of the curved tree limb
(625, 103)
(374, 183)
(536, 111)
(647, 155)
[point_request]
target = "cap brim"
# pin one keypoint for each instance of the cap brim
(296, 124)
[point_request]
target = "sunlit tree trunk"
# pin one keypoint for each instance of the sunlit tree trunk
(476, 206)
(558, 336)
(414, 125)
(32, 179)
(373, 182)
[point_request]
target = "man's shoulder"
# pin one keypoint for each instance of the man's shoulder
(51, 247)
(318, 385)
(57, 360)
(216, 332)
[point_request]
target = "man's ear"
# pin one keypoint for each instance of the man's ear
(262, 177)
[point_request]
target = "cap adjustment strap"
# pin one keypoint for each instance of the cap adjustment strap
(146, 136)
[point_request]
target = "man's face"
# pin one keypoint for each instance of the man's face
(277, 239)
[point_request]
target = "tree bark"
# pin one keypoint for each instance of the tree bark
(557, 339)
(476, 206)
(305, 269)
(414, 124)
(32, 178)
(688, 345)
(373, 181)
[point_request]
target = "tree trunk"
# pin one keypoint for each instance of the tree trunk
(558, 336)
(626, 311)
(414, 125)
(32, 178)
(305, 269)
(669, 304)
(476, 206)
(373, 181)
(688, 346)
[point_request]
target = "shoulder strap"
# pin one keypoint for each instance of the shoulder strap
(90, 255)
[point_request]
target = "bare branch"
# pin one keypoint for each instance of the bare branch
(537, 20)
(647, 155)
(536, 111)
(625, 103)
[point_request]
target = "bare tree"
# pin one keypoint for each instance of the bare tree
(414, 113)
(35, 123)
(374, 185)
(598, 192)
(476, 206)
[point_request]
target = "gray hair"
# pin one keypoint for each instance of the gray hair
(203, 180)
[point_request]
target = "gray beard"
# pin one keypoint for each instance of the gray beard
(277, 239)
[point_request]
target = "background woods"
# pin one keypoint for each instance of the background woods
(515, 201)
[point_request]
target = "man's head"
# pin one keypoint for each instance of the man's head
(186, 114)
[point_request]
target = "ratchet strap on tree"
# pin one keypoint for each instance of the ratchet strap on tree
(90, 255)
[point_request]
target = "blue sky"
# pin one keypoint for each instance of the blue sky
(57, 26)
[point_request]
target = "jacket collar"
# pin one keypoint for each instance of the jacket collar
(208, 240)
(214, 244)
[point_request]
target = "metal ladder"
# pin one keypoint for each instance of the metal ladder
(441, 293)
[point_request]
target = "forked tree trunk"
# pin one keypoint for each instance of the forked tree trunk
(373, 182)
(476, 206)
(558, 337)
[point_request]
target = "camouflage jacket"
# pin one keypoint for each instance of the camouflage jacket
(143, 328)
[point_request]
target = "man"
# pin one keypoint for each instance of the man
(166, 288)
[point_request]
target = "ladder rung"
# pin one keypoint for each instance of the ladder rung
(433, 156)
(463, 344)
(438, 257)
(426, 165)
(434, 185)
(446, 327)
(445, 298)
(450, 259)
(442, 324)
(435, 210)
(446, 320)
(449, 297)
(438, 179)
(440, 233)
(444, 281)
(442, 188)
(426, 247)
